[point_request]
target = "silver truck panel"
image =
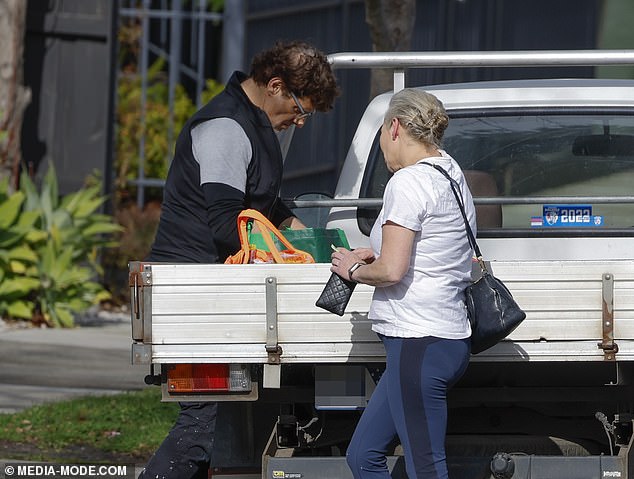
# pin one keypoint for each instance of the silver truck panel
(218, 313)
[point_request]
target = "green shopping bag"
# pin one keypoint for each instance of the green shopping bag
(315, 241)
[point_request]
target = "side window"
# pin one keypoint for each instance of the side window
(375, 178)
(560, 173)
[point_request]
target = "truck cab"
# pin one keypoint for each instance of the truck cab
(564, 147)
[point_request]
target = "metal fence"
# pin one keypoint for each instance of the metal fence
(177, 32)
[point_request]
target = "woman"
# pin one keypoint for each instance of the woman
(420, 264)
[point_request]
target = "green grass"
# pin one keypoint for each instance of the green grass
(132, 423)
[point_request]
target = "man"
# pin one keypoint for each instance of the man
(228, 158)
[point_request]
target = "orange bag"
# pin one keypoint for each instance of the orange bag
(250, 254)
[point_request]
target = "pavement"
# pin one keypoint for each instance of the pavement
(39, 365)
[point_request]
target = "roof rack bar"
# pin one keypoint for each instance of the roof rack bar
(520, 58)
(486, 200)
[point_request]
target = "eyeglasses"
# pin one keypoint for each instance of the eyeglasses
(303, 114)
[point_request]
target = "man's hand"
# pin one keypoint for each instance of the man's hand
(293, 223)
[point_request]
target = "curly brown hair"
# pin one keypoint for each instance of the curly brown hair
(303, 68)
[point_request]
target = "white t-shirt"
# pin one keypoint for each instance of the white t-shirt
(429, 300)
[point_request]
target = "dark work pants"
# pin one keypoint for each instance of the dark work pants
(410, 401)
(186, 451)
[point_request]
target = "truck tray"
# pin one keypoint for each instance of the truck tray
(194, 313)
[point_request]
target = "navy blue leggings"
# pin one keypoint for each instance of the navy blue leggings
(410, 402)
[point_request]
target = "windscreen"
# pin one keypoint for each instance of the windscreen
(537, 172)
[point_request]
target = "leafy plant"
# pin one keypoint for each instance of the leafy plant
(154, 127)
(17, 257)
(138, 228)
(49, 251)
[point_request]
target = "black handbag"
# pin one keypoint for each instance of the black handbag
(336, 294)
(492, 311)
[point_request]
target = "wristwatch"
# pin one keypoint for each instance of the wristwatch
(352, 269)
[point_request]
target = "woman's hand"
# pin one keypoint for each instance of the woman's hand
(384, 270)
(343, 259)
(366, 254)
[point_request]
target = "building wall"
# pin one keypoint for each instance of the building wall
(68, 65)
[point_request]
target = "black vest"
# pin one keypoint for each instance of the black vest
(183, 234)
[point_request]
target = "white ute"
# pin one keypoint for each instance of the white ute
(551, 166)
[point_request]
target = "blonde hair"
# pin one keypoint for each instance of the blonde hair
(420, 113)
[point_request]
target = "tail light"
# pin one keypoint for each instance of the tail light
(201, 378)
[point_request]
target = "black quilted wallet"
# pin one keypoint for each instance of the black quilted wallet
(336, 294)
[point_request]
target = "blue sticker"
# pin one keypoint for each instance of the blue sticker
(566, 216)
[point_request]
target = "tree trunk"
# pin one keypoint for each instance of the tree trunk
(391, 25)
(14, 97)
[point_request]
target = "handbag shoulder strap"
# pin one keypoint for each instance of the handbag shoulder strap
(455, 187)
